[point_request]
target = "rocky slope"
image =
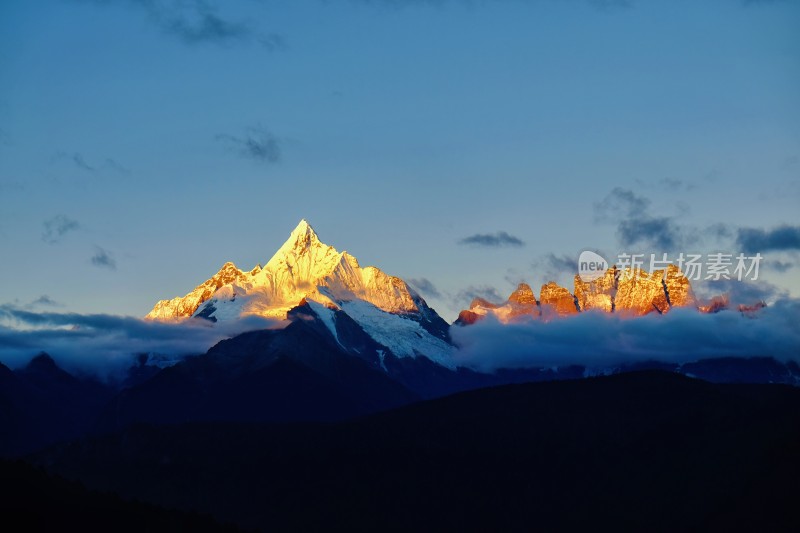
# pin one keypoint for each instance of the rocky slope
(634, 293)
(556, 299)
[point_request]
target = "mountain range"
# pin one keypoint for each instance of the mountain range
(330, 285)
(353, 410)
(304, 271)
(346, 341)
(622, 291)
(640, 451)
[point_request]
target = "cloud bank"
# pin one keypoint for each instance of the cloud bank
(107, 345)
(599, 339)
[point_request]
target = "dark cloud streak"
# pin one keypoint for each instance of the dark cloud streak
(780, 266)
(103, 258)
(204, 26)
(636, 226)
(657, 232)
(258, 143)
(425, 286)
(556, 268)
(80, 162)
(464, 297)
(753, 240)
(198, 22)
(44, 301)
(76, 158)
(492, 240)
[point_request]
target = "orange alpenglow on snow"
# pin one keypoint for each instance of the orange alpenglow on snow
(303, 267)
(328, 283)
(626, 292)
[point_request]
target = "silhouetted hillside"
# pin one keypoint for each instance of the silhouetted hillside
(38, 501)
(645, 450)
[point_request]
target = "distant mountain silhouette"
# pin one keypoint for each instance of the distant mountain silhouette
(293, 374)
(298, 373)
(41, 404)
(636, 451)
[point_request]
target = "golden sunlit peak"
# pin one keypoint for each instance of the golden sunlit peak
(303, 228)
(302, 238)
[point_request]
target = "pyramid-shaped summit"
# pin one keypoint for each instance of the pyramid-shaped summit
(301, 238)
(305, 270)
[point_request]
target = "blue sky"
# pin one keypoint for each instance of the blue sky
(143, 143)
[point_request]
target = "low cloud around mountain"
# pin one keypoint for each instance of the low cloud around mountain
(599, 339)
(106, 345)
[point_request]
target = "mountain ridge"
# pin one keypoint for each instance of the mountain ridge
(631, 292)
(569, 455)
(305, 271)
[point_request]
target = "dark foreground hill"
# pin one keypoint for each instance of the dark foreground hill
(643, 450)
(41, 404)
(36, 501)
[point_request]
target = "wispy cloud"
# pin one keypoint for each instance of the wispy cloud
(667, 184)
(552, 267)
(602, 5)
(753, 240)
(44, 301)
(620, 203)
(425, 286)
(492, 240)
(273, 42)
(78, 160)
(57, 227)
(201, 25)
(719, 232)
(103, 258)
(659, 233)
(464, 297)
(197, 22)
(780, 266)
(739, 292)
(111, 164)
(257, 143)
(636, 226)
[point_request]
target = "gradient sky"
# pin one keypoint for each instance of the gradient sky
(143, 143)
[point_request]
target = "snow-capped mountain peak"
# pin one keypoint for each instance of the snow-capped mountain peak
(304, 269)
(302, 238)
